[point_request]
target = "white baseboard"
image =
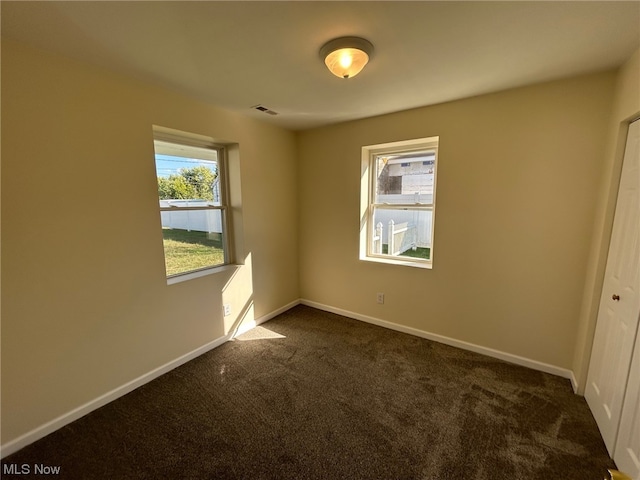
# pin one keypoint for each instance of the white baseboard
(277, 312)
(574, 382)
(508, 357)
(269, 316)
(246, 326)
(65, 419)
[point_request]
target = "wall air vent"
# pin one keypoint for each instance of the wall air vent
(264, 109)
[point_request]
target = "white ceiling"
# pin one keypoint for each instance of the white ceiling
(239, 54)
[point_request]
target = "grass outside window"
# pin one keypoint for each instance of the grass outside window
(186, 251)
(420, 252)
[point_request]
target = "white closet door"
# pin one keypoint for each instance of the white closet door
(627, 453)
(619, 311)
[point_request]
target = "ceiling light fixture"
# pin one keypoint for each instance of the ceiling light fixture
(345, 57)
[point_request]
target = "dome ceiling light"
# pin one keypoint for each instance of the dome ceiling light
(345, 57)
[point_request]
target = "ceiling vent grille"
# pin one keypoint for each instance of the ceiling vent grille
(264, 109)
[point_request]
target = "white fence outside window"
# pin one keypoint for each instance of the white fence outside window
(420, 221)
(209, 221)
(400, 238)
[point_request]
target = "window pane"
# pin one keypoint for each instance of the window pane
(189, 177)
(403, 233)
(405, 178)
(193, 239)
(187, 173)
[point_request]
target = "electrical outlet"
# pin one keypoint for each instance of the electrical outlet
(380, 297)
(227, 310)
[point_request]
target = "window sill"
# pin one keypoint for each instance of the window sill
(183, 277)
(405, 263)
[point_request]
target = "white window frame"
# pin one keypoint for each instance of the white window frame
(178, 139)
(368, 206)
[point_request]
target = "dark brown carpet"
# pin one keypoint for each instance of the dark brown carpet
(334, 399)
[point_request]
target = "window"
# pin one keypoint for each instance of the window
(397, 201)
(192, 199)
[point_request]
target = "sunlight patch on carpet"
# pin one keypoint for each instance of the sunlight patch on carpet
(258, 333)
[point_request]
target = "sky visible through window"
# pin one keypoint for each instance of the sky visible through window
(169, 164)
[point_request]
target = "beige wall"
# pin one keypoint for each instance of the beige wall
(626, 107)
(517, 181)
(85, 303)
